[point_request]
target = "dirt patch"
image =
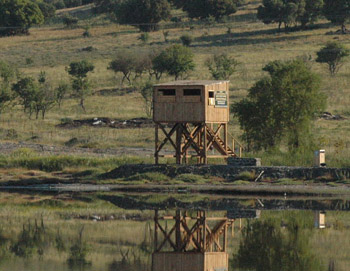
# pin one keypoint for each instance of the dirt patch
(107, 122)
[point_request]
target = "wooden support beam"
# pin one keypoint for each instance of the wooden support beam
(166, 237)
(167, 136)
(215, 136)
(156, 139)
(190, 139)
(189, 236)
(192, 233)
(156, 229)
(178, 231)
(205, 159)
(178, 148)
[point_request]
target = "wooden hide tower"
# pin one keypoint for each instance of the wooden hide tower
(193, 117)
(190, 243)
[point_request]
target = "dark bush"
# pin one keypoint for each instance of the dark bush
(186, 39)
(70, 21)
(145, 14)
(17, 16)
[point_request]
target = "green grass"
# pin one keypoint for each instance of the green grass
(241, 182)
(288, 181)
(61, 162)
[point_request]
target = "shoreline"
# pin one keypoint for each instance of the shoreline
(313, 190)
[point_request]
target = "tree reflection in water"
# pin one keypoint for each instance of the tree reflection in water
(270, 246)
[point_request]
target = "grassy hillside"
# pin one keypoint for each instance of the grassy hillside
(51, 49)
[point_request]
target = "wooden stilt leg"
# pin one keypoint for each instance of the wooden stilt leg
(205, 159)
(156, 153)
(178, 144)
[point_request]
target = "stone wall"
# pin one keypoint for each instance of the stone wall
(230, 172)
(244, 162)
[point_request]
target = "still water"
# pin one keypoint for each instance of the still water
(109, 231)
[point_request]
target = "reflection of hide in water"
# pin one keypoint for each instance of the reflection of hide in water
(192, 243)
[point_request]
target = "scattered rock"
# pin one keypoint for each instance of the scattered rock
(330, 116)
(88, 49)
(114, 91)
(113, 123)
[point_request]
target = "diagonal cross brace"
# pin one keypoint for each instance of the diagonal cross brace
(168, 137)
(214, 137)
(190, 139)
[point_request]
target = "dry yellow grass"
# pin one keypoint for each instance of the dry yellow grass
(251, 42)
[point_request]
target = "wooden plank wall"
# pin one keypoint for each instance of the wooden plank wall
(177, 262)
(179, 108)
(217, 114)
(215, 261)
(189, 108)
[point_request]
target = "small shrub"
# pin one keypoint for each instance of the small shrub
(70, 21)
(333, 54)
(29, 61)
(67, 121)
(246, 176)
(165, 35)
(86, 33)
(30, 240)
(23, 153)
(221, 66)
(59, 243)
(78, 252)
(88, 49)
(11, 134)
(149, 176)
(186, 40)
(71, 142)
(144, 37)
(240, 182)
(190, 178)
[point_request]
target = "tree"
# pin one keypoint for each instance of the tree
(61, 92)
(266, 247)
(175, 60)
(312, 11)
(70, 21)
(80, 84)
(221, 66)
(147, 94)
(7, 74)
(290, 12)
(337, 11)
(206, 8)
(48, 10)
(35, 97)
(17, 16)
(130, 63)
(104, 6)
(280, 106)
(333, 54)
(146, 14)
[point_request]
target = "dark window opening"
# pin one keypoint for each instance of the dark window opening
(166, 92)
(211, 94)
(192, 92)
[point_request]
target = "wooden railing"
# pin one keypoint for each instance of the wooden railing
(235, 143)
